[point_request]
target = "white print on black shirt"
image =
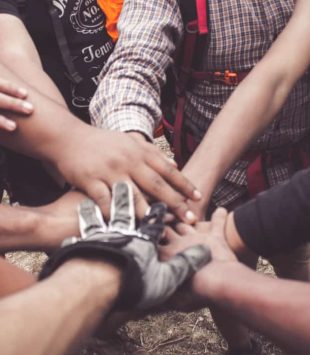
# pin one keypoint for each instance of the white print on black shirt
(61, 6)
(91, 53)
(87, 17)
(80, 101)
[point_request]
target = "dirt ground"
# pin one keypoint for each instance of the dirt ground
(173, 333)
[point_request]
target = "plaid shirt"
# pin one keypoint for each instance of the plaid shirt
(241, 31)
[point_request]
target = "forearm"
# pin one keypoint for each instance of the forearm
(224, 142)
(40, 228)
(277, 308)
(128, 97)
(254, 103)
(17, 227)
(45, 132)
(67, 306)
(18, 48)
(51, 121)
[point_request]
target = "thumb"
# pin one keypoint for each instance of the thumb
(218, 222)
(171, 274)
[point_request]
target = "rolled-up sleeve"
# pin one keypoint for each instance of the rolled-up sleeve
(128, 96)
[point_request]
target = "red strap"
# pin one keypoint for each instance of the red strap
(201, 6)
(191, 143)
(190, 39)
(177, 134)
(255, 177)
(305, 159)
(213, 78)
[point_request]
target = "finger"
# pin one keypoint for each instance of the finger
(170, 234)
(218, 222)
(184, 229)
(164, 253)
(153, 184)
(122, 208)
(169, 218)
(171, 161)
(140, 202)
(11, 89)
(171, 274)
(6, 124)
(174, 177)
(203, 227)
(17, 105)
(100, 193)
(90, 219)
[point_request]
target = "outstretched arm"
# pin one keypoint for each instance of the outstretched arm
(39, 228)
(253, 105)
(18, 53)
(89, 158)
(53, 316)
(277, 308)
(128, 97)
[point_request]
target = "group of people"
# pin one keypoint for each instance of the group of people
(80, 100)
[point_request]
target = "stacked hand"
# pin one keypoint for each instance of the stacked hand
(212, 235)
(147, 281)
(94, 159)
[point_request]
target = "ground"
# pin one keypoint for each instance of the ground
(173, 333)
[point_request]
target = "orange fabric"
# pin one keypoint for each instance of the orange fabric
(112, 10)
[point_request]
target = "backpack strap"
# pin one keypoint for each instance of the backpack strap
(194, 14)
(72, 72)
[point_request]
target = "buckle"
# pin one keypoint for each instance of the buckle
(228, 77)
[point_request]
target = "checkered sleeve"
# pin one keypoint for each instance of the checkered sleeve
(128, 97)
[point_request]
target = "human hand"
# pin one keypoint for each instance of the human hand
(212, 235)
(95, 159)
(147, 281)
(12, 98)
(199, 208)
(40, 228)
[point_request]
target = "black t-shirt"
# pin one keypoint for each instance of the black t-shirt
(83, 25)
(279, 219)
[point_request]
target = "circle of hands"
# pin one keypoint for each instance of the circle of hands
(173, 258)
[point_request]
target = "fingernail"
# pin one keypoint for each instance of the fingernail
(190, 216)
(11, 125)
(22, 92)
(27, 106)
(197, 195)
(172, 161)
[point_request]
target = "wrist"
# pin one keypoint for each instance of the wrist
(61, 149)
(209, 283)
(101, 276)
(139, 136)
(234, 241)
(201, 179)
(25, 223)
